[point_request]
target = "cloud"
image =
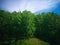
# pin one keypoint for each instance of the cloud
(30, 5)
(35, 5)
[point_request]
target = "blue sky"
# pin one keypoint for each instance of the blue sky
(30, 5)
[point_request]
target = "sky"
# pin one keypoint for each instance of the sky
(30, 5)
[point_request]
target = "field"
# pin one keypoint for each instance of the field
(30, 41)
(34, 41)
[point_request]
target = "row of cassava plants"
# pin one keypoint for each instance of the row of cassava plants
(23, 25)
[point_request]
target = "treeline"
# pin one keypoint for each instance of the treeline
(22, 25)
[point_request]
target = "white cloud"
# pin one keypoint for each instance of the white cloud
(31, 5)
(35, 5)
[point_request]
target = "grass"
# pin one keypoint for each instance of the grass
(30, 41)
(34, 41)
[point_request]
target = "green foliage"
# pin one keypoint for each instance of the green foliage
(22, 25)
(47, 30)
